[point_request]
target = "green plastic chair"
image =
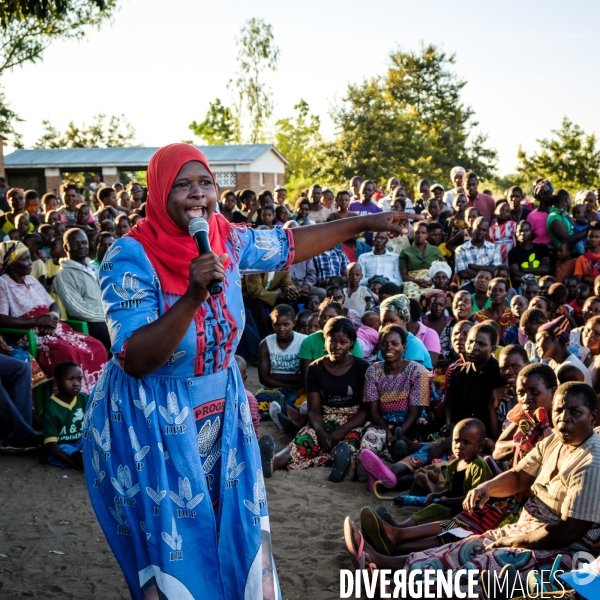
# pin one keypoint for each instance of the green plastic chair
(42, 392)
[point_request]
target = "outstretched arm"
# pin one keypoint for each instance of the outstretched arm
(316, 239)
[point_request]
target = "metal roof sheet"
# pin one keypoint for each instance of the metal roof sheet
(114, 157)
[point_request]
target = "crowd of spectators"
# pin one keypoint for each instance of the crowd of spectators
(429, 361)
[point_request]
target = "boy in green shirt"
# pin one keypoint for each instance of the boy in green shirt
(62, 418)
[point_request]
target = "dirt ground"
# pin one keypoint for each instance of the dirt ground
(51, 545)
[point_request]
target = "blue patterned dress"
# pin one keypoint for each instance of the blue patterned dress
(171, 459)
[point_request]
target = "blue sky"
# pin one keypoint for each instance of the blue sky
(528, 63)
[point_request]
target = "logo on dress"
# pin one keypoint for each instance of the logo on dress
(174, 540)
(206, 443)
(145, 408)
(260, 498)
(184, 499)
(99, 474)
(123, 485)
(107, 265)
(245, 423)
(139, 451)
(173, 416)
(123, 525)
(103, 439)
(130, 294)
(157, 496)
(233, 469)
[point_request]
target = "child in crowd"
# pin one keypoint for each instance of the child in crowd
(49, 203)
(279, 362)
(38, 270)
(312, 325)
(545, 283)
(580, 223)
(108, 225)
(82, 217)
(32, 207)
(302, 321)
(565, 265)
(60, 228)
(511, 361)
(122, 225)
(62, 418)
(502, 231)
(52, 264)
(252, 401)
(587, 267)
(52, 217)
(312, 303)
(582, 293)
(267, 216)
(124, 201)
(570, 282)
(23, 225)
(368, 334)
(282, 215)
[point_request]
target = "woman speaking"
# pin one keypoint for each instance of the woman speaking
(171, 460)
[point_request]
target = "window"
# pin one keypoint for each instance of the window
(226, 179)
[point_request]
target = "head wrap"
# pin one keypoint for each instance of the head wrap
(440, 294)
(397, 304)
(456, 170)
(378, 279)
(559, 328)
(438, 266)
(528, 278)
(170, 249)
(542, 189)
(11, 251)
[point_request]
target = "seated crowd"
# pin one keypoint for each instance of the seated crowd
(457, 364)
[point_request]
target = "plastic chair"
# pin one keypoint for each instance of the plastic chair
(42, 392)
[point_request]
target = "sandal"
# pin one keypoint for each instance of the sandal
(374, 532)
(357, 556)
(375, 466)
(266, 445)
(342, 456)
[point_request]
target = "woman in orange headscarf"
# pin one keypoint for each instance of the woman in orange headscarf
(171, 459)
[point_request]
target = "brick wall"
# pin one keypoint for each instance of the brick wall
(53, 184)
(252, 181)
(110, 180)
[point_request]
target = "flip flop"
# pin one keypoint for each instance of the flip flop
(342, 456)
(374, 532)
(535, 584)
(399, 450)
(287, 424)
(375, 466)
(386, 516)
(508, 574)
(266, 445)
(357, 556)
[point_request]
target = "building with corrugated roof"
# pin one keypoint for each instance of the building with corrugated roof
(254, 166)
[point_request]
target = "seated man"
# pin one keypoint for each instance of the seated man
(476, 254)
(380, 261)
(76, 284)
(262, 291)
(15, 401)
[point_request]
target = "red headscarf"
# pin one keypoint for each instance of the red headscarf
(170, 249)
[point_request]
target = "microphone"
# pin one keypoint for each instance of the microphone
(198, 229)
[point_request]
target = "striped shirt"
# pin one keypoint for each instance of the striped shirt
(572, 492)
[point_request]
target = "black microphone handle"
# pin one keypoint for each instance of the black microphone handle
(201, 238)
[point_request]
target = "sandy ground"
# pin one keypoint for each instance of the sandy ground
(51, 545)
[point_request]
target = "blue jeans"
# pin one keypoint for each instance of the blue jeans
(15, 396)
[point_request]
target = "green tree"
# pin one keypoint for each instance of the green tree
(570, 159)
(257, 53)
(298, 138)
(25, 36)
(218, 127)
(18, 10)
(8, 121)
(409, 122)
(111, 132)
